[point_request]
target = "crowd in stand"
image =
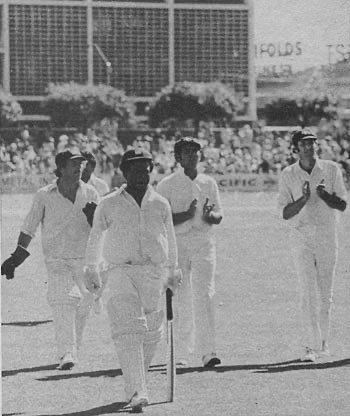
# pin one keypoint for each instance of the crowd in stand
(243, 150)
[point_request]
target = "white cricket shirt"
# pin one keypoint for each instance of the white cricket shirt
(316, 212)
(180, 191)
(125, 233)
(64, 227)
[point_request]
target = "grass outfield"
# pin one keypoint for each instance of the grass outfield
(257, 334)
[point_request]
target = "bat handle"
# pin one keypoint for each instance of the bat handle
(169, 306)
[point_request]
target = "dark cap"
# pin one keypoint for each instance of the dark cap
(187, 141)
(62, 158)
(302, 135)
(133, 155)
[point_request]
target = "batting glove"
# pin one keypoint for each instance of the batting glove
(89, 211)
(174, 279)
(92, 278)
(17, 258)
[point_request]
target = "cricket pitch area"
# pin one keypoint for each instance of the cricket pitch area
(256, 323)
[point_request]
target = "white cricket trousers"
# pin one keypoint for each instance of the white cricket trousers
(133, 301)
(194, 308)
(315, 256)
(70, 302)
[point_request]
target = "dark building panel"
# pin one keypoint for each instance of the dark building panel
(134, 1)
(228, 2)
(1, 29)
(1, 69)
(47, 44)
(135, 41)
(212, 45)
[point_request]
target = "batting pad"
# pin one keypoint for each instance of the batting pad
(130, 354)
(152, 336)
(126, 315)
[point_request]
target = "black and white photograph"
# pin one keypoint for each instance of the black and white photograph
(175, 228)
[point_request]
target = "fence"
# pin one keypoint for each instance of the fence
(18, 184)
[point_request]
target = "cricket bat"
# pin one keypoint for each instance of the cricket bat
(170, 362)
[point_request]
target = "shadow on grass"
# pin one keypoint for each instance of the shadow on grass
(220, 368)
(7, 373)
(12, 414)
(113, 408)
(305, 366)
(291, 365)
(65, 375)
(26, 323)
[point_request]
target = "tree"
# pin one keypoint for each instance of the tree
(10, 109)
(80, 106)
(194, 101)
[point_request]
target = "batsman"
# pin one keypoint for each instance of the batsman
(133, 243)
(311, 193)
(65, 211)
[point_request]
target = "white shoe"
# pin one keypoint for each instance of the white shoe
(210, 360)
(182, 363)
(138, 402)
(310, 355)
(66, 362)
(323, 352)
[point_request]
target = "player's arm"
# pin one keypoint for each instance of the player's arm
(336, 200)
(90, 207)
(180, 217)
(288, 206)
(332, 200)
(293, 208)
(29, 227)
(212, 211)
(17, 257)
(93, 252)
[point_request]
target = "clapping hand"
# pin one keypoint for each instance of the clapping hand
(92, 278)
(192, 209)
(321, 189)
(207, 209)
(306, 190)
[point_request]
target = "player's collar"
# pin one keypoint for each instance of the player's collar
(181, 172)
(122, 190)
(54, 185)
(316, 166)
